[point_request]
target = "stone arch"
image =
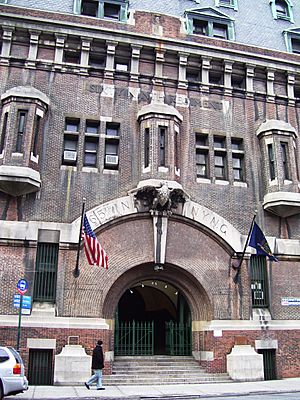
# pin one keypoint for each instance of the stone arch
(194, 293)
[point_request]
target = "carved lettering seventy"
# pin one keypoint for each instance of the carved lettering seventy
(146, 97)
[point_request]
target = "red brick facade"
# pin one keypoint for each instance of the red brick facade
(200, 245)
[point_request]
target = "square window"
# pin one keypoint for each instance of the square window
(219, 142)
(200, 27)
(92, 127)
(89, 7)
(112, 129)
(90, 152)
(201, 140)
(72, 56)
(296, 46)
(72, 125)
(220, 31)
(236, 144)
(112, 11)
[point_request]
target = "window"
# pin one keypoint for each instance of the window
(36, 134)
(72, 125)
(70, 141)
(177, 149)
(147, 147)
(282, 9)
(219, 31)
(112, 11)
(220, 157)
(202, 163)
(271, 161)
(45, 272)
(237, 165)
(3, 133)
(259, 285)
(22, 116)
(162, 146)
(211, 22)
(89, 7)
(284, 158)
(115, 9)
(91, 144)
(70, 150)
(200, 27)
(219, 142)
(237, 159)
(227, 3)
(296, 46)
(111, 156)
(202, 155)
(220, 168)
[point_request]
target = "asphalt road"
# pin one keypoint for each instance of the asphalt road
(262, 396)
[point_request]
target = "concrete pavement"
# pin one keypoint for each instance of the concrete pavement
(161, 391)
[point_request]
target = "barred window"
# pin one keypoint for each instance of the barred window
(271, 161)
(22, 117)
(3, 133)
(259, 283)
(284, 158)
(46, 272)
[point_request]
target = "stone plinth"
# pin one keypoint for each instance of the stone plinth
(244, 364)
(72, 366)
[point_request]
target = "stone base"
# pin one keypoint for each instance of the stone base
(72, 366)
(244, 364)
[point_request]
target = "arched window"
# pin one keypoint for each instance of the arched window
(282, 9)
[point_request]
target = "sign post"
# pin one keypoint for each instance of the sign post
(22, 288)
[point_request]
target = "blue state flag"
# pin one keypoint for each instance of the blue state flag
(260, 244)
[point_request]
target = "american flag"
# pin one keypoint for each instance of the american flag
(93, 250)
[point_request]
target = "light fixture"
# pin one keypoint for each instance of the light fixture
(166, 286)
(131, 291)
(155, 283)
(142, 285)
(176, 293)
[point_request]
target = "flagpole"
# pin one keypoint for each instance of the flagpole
(76, 271)
(238, 268)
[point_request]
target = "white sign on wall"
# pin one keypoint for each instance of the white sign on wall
(290, 301)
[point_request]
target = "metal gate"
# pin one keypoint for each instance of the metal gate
(178, 339)
(40, 367)
(135, 338)
(269, 358)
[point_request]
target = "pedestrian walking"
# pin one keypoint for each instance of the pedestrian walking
(97, 366)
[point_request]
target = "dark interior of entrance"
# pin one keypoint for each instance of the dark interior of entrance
(156, 301)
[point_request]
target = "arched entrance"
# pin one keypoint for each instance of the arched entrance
(153, 317)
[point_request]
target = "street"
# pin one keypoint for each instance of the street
(262, 396)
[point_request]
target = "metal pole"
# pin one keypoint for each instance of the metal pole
(238, 268)
(76, 271)
(19, 324)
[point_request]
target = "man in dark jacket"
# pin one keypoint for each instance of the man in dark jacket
(97, 366)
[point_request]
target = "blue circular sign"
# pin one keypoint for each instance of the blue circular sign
(22, 286)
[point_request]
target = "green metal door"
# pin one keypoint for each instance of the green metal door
(40, 371)
(269, 358)
(134, 338)
(178, 339)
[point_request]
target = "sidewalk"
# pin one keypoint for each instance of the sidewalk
(161, 391)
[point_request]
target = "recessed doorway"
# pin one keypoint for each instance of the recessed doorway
(153, 317)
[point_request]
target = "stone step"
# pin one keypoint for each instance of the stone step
(158, 370)
(118, 370)
(110, 380)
